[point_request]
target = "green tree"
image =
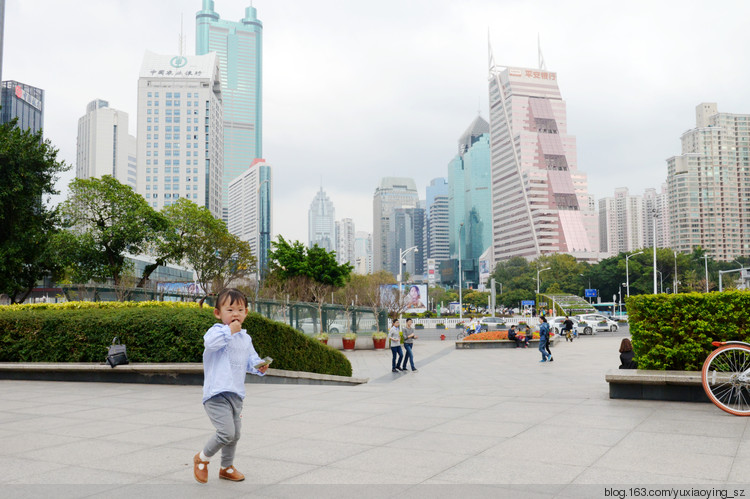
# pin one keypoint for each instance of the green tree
(28, 168)
(203, 243)
(108, 220)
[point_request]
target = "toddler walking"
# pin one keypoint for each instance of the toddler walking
(228, 354)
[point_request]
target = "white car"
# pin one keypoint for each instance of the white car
(596, 322)
(308, 326)
(556, 324)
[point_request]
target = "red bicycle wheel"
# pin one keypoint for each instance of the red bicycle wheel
(725, 380)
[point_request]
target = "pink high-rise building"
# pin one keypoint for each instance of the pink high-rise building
(540, 201)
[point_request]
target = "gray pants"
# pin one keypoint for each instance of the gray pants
(225, 412)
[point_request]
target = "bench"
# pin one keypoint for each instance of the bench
(634, 384)
(477, 344)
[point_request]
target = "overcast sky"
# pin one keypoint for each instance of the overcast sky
(355, 91)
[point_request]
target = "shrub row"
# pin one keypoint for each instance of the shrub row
(674, 332)
(155, 332)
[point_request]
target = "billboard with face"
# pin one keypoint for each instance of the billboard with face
(414, 298)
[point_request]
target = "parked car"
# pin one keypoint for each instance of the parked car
(491, 323)
(596, 322)
(556, 324)
(308, 326)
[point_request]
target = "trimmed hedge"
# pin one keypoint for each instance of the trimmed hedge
(674, 332)
(152, 331)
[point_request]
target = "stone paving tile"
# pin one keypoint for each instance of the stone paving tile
(432, 440)
(151, 435)
(71, 475)
(497, 429)
(19, 469)
(402, 423)
(601, 475)
(317, 452)
(684, 455)
(85, 452)
(481, 469)
(24, 442)
(26, 423)
(387, 459)
(661, 423)
(360, 434)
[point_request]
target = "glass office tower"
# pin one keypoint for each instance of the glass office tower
(239, 46)
(24, 102)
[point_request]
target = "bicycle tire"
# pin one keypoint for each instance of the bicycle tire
(719, 377)
(460, 335)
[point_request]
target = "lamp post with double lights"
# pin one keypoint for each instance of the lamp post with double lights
(460, 284)
(627, 271)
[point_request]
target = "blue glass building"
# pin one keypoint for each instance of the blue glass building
(240, 49)
(18, 100)
(470, 198)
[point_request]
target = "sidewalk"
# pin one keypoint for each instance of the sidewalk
(468, 417)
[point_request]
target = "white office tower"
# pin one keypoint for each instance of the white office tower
(180, 134)
(104, 146)
(321, 222)
(249, 210)
(656, 212)
(345, 241)
(392, 193)
(709, 186)
(363, 253)
(621, 223)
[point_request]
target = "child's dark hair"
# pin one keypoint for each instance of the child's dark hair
(232, 295)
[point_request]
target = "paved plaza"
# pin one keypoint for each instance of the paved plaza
(470, 423)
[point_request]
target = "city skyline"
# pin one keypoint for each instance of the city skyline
(344, 102)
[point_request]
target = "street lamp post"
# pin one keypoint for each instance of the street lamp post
(705, 258)
(675, 271)
(402, 263)
(537, 278)
(627, 271)
(661, 283)
(589, 285)
(655, 215)
(460, 295)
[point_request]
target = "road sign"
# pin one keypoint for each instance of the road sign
(591, 293)
(527, 303)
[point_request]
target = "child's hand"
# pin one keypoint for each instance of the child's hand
(263, 369)
(235, 326)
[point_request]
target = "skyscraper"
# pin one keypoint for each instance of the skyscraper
(250, 216)
(470, 203)
(320, 222)
(2, 35)
(540, 203)
(345, 241)
(22, 101)
(180, 133)
(437, 212)
(406, 230)
(621, 223)
(363, 253)
(392, 193)
(709, 185)
(656, 211)
(104, 146)
(239, 46)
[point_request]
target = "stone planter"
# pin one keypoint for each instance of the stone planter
(379, 343)
(349, 343)
(440, 326)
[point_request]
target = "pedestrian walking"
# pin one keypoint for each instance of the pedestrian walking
(227, 356)
(409, 338)
(394, 339)
(543, 339)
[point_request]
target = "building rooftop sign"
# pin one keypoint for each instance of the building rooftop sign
(179, 66)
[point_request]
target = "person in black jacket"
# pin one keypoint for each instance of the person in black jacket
(626, 355)
(513, 335)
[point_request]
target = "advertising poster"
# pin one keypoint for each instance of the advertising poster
(415, 297)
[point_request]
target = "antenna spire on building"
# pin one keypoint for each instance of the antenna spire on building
(542, 65)
(491, 56)
(180, 39)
